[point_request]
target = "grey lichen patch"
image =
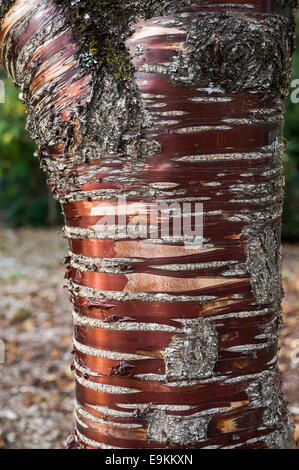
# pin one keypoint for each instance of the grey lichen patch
(266, 392)
(193, 353)
(170, 429)
(236, 53)
(263, 262)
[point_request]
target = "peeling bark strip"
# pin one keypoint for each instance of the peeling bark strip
(175, 101)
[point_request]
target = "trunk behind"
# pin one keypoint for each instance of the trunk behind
(152, 120)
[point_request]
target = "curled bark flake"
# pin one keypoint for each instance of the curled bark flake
(99, 304)
(73, 443)
(122, 368)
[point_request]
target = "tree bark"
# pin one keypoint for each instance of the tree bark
(174, 102)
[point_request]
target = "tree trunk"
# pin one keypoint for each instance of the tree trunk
(135, 104)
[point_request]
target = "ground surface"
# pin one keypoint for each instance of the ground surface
(36, 391)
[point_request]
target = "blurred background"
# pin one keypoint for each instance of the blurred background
(36, 392)
(25, 199)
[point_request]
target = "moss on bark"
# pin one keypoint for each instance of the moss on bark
(4, 7)
(100, 28)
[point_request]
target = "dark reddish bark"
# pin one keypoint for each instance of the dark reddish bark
(175, 347)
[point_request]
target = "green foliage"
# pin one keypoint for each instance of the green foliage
(24, 197)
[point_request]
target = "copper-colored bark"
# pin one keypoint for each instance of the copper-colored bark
(216, 147)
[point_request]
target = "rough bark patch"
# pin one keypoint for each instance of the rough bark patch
(194, 353)
(166, 428)
(265, 392)
(236, 53)
(263, 261)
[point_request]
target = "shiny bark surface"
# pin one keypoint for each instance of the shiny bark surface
(175, 346)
